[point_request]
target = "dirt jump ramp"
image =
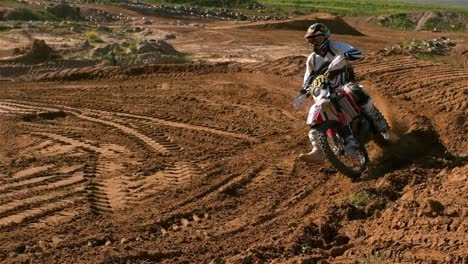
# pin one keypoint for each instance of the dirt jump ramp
(335, 23)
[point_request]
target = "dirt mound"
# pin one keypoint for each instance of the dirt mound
(13, 71)
(22, 14)
(37, 52)
(464, 57)
(64, 11)
(441, 46)
(335, 23)
(285, 67)
(4, 11)
(22, 71)
(96, 15)
(217, 10)
(115, 72)
(135, 53)
(158, 46)
(429, 20)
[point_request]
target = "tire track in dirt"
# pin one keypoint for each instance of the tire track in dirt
(156, 133)
(426, 88)
(4, 109)
(252, 185)
(174, 175)
(72, 142)
(181, 172)
(150, 122)
(37, 192)
(111, 193)
(108, 118)
(106, 162)
(36, 143)
(50, 208)
(169, 122)
(299, 204)
(30, 172)
(451, 95)
(58, 218)
(431, 81)
(127, 130)
(49, 148)
(180, 220)
(52, 183)
(16, 212)
(19, 108)
(406, 75)
(256, 179)
(36, 183)
(377, 60)
(94, 117)
(95, 196)
(228, 186)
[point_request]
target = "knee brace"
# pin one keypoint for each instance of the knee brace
(358, 94)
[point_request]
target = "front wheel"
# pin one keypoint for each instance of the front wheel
(349, 162)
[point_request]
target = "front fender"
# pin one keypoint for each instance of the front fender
(315, 117)
(316, 112)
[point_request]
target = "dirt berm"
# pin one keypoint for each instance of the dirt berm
(335, 23)
(37, 52)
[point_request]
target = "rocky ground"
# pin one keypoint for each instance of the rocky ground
(196, 162)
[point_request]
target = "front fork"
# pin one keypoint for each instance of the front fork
(345, 128)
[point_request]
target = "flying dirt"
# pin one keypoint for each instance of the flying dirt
(196, 162)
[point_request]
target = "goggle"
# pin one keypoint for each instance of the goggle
(312, 39)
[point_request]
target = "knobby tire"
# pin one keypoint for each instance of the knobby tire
(335, 161)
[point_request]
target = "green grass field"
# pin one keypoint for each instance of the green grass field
(340, 7)
(356, 7)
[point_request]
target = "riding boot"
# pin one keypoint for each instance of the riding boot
(316, 155)
(376, 117)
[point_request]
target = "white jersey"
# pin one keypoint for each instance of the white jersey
(335, 60)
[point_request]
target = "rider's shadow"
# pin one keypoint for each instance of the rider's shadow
(421, 147)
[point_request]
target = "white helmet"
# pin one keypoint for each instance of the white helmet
(318, 36)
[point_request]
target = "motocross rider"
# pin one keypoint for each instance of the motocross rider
(334, 56)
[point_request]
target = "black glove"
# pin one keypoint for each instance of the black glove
(305, 91)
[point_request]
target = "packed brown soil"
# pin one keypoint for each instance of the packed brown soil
(197, 162)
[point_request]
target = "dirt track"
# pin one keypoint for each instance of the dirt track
(197, 163)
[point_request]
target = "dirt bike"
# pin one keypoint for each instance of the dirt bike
(339, 120)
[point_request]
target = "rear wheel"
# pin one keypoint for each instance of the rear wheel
(349, 162)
